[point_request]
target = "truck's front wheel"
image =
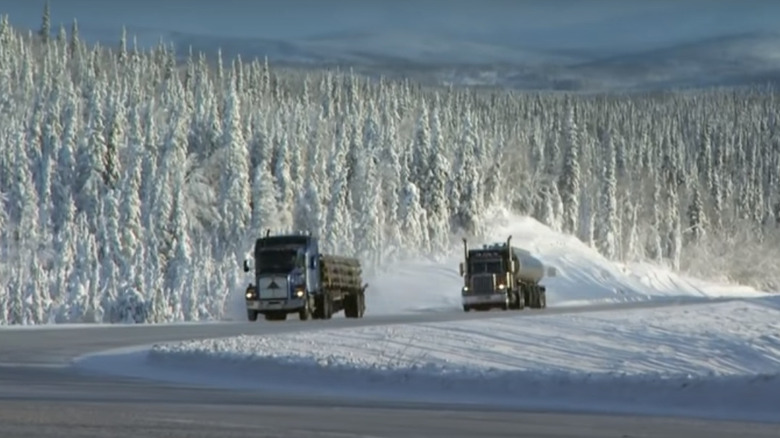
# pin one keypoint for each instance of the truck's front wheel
(323, 307)
(251, 315)
(305, 313)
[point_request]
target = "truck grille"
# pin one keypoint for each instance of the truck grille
(272, 288)
(483, 284)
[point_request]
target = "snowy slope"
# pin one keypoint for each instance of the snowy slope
(583, 276)
(719, 360)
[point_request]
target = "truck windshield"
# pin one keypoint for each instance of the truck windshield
(277, 261)
(487, 267)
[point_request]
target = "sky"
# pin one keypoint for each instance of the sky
(611, 25)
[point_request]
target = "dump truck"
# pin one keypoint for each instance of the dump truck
(291, 275)
(503, 276)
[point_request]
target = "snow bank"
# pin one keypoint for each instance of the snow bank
(717, 360)
(583, 276)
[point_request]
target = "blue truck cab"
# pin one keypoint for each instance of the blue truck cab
(292, 276)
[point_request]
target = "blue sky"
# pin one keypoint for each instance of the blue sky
(621, 25)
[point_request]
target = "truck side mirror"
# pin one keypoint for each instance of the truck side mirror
(313, 263)
(551, 271)
(461, 269)
(246, 265)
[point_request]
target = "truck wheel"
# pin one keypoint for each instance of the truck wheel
(251, 315)
(327, 310)
(305, 313)
(350, 306)
(542, 300)
(520, 301)
(466, 309)
(361, 305)
(324, 308)
(537, 298)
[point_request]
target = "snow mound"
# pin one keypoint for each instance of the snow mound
(709, 359)
(583, 276)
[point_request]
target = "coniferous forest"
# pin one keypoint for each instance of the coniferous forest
(134, 181)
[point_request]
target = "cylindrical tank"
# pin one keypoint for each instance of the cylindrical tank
(529, 267)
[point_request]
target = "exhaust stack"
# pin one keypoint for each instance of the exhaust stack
(509, 241)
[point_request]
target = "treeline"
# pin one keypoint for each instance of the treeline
(133, 183)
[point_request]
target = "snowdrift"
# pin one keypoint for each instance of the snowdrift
(583, 276)
(710, 360)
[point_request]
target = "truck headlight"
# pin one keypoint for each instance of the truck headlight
(501, 286)
(250, 293)
(299, 293)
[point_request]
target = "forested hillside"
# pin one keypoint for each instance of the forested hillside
(132, 183)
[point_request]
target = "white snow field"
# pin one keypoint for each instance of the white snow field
(716, 359)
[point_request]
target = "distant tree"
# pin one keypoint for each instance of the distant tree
(570, 176)
(696, 217)
(607, 226)
(413, 220)
(45, 30)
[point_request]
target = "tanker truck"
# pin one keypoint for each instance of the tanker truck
(292, 276)
(503, 276)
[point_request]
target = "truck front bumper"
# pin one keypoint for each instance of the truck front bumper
(288, 305)
(485, 299)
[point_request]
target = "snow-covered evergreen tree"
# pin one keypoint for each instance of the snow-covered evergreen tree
(234, 189)
(570, 175)
(607, 233)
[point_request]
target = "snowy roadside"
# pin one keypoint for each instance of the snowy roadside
(713, 360)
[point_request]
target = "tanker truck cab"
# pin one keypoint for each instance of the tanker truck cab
(500, 275)
(487, 280)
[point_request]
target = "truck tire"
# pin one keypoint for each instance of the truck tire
(520, 300)
(361, 304)
(323, 307)
(305, 313)
(327, 309)
(466, 308)
(350, 306)
(354, 306)
(251, 315)
(537, 298)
